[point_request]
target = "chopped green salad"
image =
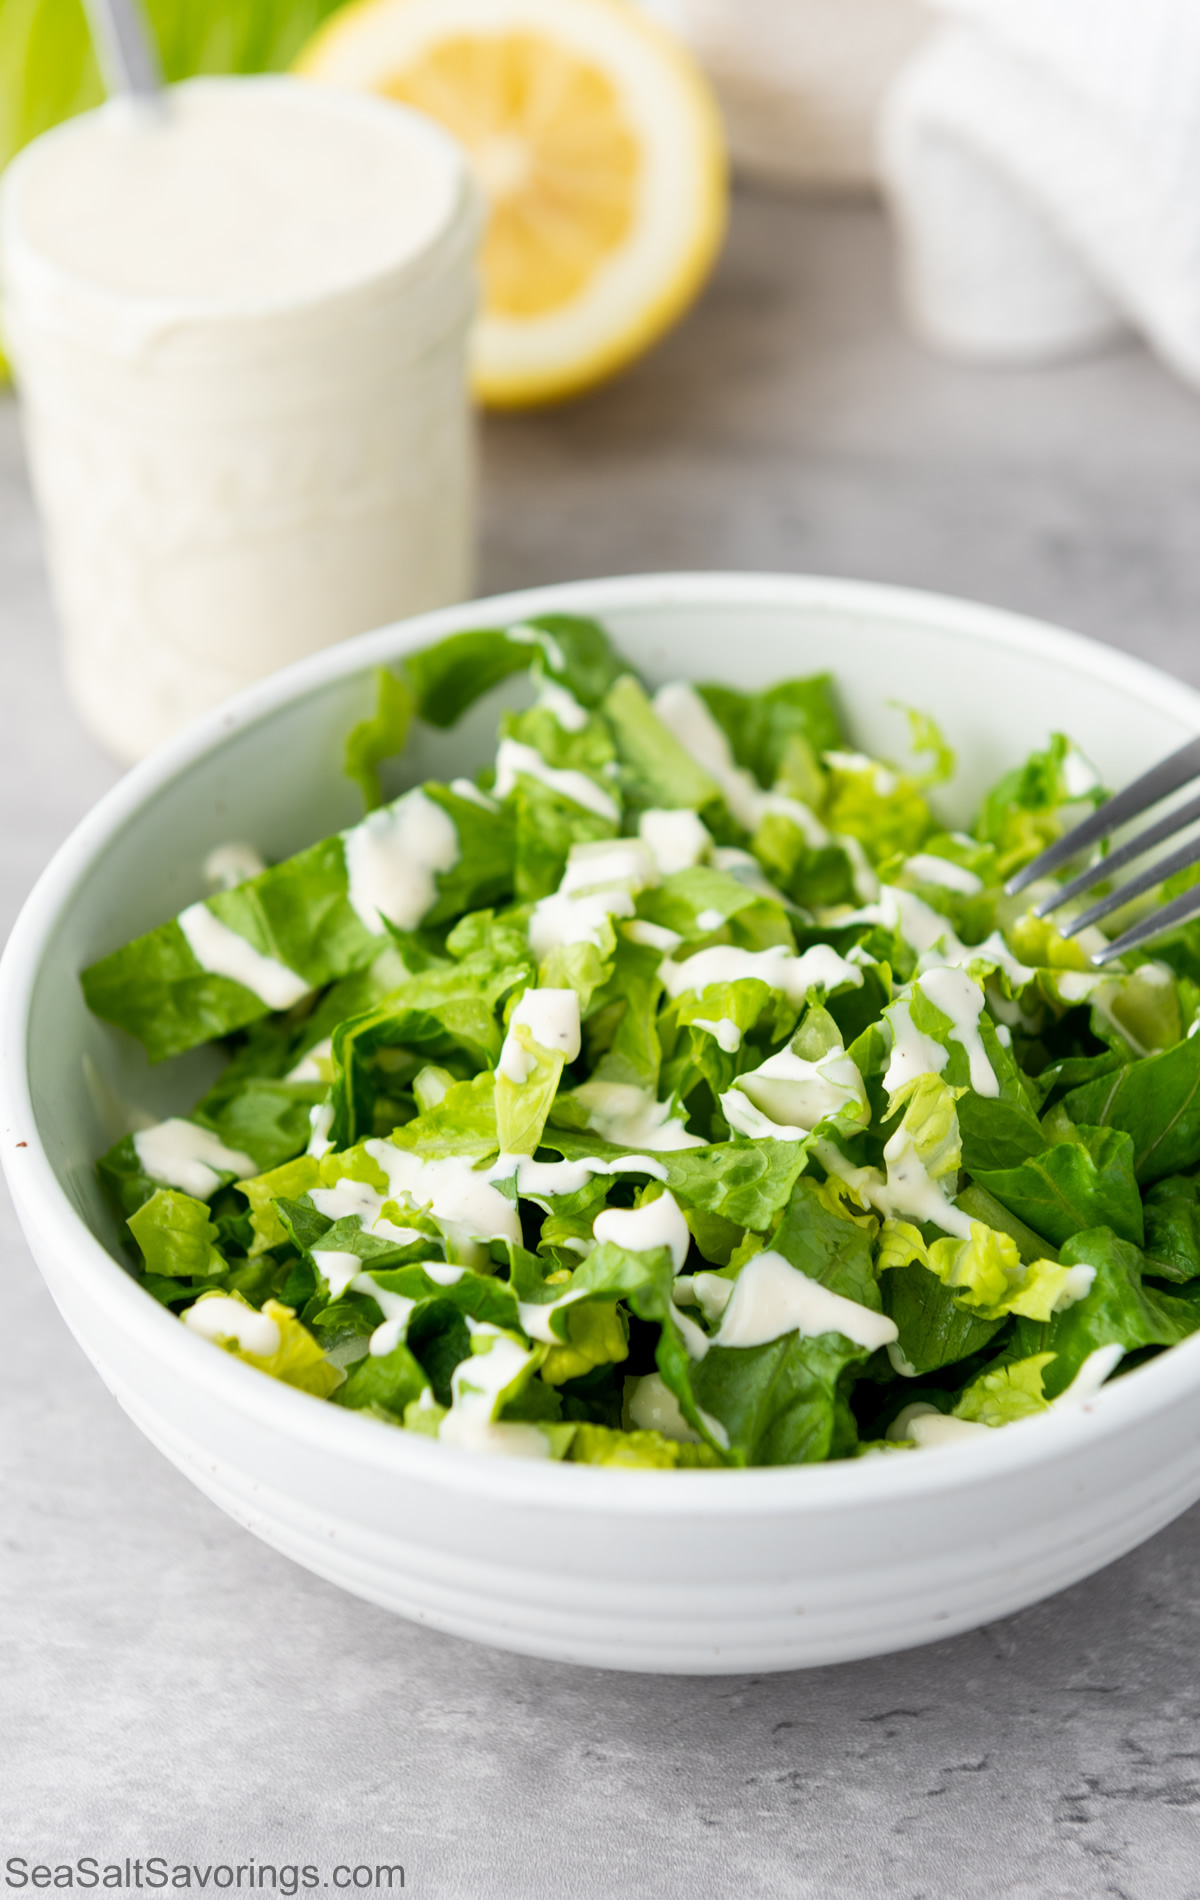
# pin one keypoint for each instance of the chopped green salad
(678, 1093)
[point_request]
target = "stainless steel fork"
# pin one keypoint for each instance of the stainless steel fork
(1171, 775)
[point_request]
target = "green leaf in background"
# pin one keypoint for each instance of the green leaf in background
(763, 727)
(936, 1328)
(448, 677)
(380, 737)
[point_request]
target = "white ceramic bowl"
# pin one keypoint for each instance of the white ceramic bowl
(695, 1572)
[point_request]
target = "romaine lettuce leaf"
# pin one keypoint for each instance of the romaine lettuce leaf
(1157, 1103)
(176, 1236)
(1118, 1311)
(1074, 1185)
(380, 737)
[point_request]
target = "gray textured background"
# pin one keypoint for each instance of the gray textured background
(169, 1686)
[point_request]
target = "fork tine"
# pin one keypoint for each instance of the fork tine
(1127, 853)
(1180, 910)
(1156, 784)
(1153, 874)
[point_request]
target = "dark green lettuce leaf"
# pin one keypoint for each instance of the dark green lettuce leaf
(1156, 1101)
(828, 1246)
(935, 1328)
(1073, 1185)
(1172, 1211)
(785, 1403)
(450, 676)
(761, 727)
(449, 1011)
(266, 1118)
(1119, 1310)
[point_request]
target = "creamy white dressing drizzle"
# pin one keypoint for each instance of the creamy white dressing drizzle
(1079, 775)
(659, 1223)
(777, 967)
(320, 1121)
(1077, 1285)
(652, 936)
(781, 805)
(514, 759)
(477, 1386)
(182, 1155)
(630, 1117)
(1095, 1370)
(927, 1427)
(653, 1407)
(627, 862)
(724, 1031)
(930, 869)
(790, 1090)
(228, 865)
(676, 839)
(883, 779)
(684, 713)
(540, 1180)
(559, 920)
(219, 1316)
(564, 706)
(538, 637)
(708, 1291)
(913, 1052)
(393, 859)
(337, 1267)
(459, 1196)
(911, 1193)
(959, 997)
(707, 920)
(309, 1068)
(467, 788)
(771, 1297)
(223, 952)
(552, 1019)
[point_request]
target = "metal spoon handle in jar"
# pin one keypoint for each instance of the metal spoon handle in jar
(127, 54)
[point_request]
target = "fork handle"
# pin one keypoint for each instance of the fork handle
(126, 51)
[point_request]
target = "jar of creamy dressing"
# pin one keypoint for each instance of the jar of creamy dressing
(238, 324)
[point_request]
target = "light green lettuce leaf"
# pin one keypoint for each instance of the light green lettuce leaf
(1012, 1391)
(176, 1236)
(656, 770)
(1031, 806)
(382, 736)
(298, 1360)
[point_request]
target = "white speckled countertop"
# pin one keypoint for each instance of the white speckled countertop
(170, 1687)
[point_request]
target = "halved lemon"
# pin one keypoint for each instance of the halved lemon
(599, 149)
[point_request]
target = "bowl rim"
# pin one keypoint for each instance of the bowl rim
(833, 1488)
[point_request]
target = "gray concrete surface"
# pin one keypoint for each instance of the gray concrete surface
(170, 1687)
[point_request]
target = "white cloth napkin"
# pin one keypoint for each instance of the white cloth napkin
(1043, 161)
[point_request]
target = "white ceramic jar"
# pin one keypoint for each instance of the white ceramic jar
(238, 324)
